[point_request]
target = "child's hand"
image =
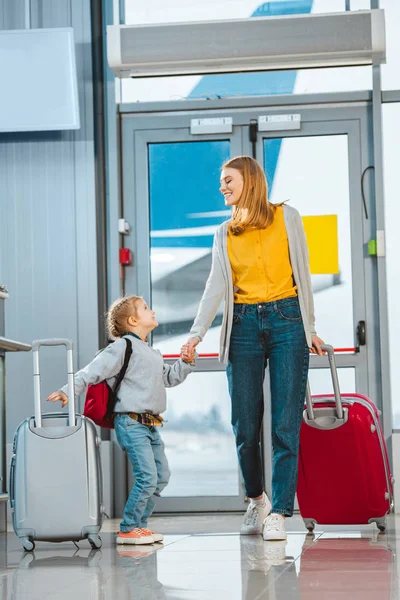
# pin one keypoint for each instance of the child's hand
(186, 356)
(55, 396)
(188, 350)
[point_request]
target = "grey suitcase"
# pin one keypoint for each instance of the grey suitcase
(55, 485)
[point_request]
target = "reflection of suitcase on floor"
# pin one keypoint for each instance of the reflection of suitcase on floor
(347, 569)
(64, 573)
(55, 475)
(344, 473)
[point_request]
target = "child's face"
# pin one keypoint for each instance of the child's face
(145, 317)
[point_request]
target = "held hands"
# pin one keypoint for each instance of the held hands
(55, 396)
(188, 350)
(316, 346)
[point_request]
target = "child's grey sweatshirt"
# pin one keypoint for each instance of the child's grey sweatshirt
(143, 388)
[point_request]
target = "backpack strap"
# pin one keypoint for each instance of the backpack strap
(120, 376)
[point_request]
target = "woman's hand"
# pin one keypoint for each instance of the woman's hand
(186, 359)
(316, 346)
(188, 350)
(55, 396)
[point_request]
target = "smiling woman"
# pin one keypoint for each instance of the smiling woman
(260, 269)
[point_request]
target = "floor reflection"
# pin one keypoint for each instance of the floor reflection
(332, 565)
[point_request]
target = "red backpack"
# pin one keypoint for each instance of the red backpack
(101, 399)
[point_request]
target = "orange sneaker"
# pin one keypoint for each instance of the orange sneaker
(157, 537)
(136, 536)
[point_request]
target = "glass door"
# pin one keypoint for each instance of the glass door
(312, 172)
(318, 170)
(171, 197)
(173, 194)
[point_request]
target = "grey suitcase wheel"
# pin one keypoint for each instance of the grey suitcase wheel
(95, 541)
(28, 544)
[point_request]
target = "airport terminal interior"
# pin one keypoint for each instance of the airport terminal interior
(116, 117)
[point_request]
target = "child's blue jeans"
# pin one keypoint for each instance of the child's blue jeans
(146, 452)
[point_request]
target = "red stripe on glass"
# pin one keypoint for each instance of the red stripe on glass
(337, 351)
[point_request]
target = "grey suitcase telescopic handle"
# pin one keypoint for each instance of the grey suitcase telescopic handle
(335, 382)
(36, 377)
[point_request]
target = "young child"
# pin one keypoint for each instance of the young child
(141, 400)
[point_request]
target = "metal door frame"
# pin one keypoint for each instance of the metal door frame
(335, 117)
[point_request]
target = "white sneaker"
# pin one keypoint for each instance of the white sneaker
(254, 517)
(274, 527)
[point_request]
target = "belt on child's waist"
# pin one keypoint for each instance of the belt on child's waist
(147, 419)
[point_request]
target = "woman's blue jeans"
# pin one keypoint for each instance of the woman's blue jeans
(268, 333)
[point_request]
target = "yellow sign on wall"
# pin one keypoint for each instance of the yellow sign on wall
(322, 240)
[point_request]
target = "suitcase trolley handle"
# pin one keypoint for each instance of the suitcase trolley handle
(326, 417)
(36, 378)
(11, 481)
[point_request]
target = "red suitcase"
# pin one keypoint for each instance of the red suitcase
(344, 472)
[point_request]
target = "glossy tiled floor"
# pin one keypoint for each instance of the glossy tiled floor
(203, 558)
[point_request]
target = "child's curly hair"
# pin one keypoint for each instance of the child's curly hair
(118, 314)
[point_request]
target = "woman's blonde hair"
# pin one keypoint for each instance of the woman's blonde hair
(119, 313)
(253, 210)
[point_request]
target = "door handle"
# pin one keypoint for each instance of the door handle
(360, 332)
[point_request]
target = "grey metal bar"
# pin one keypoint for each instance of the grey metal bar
(389, 96)
(381, 258)
(13, 346)
(259, 101)
(98, 39)
(27, 14)
(245, 102)
(111, 16)
(37, 344)
(309, 402)
(3, 465)
(347, 5)
(335, 382)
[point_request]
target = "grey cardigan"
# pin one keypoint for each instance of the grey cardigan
(220, 285)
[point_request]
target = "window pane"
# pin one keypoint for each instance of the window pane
(297, 169)
(198, 437)
(321, 382)
(184, 194)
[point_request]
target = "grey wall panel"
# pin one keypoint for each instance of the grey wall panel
(48, 224)
(12, 14)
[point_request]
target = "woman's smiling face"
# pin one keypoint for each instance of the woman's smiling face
(231, 185)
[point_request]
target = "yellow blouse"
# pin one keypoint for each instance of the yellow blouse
(260, 262)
